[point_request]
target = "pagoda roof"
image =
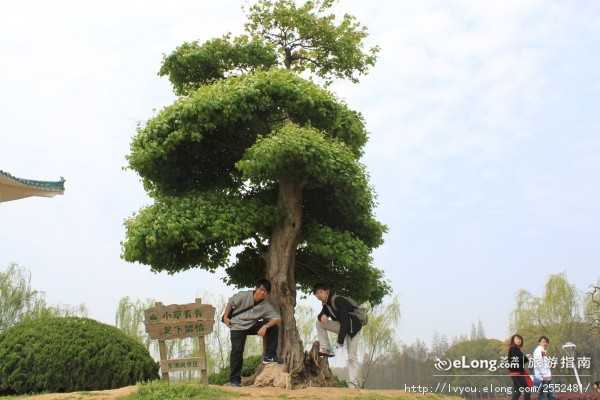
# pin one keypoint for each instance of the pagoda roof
(13, 188)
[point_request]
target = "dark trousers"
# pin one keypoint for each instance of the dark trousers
(520, 387)
(238, 342)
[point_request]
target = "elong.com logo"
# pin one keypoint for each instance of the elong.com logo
(445, 365)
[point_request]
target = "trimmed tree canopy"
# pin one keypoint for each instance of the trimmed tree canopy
(212, 161)
(254, 160)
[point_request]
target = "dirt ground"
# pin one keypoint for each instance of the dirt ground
(245, 392)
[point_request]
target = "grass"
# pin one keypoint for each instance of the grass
(159, 390)
(70, 396)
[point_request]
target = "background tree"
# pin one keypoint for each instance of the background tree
(17, 297)
(557, 311)
(592, 307)
(253, 156)
(478, 349)
(477, 331)
(19, 301)
(129, 318)
(379, 335)
(404, 365)
(559, 314)
(439, 345)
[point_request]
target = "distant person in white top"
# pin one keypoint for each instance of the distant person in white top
(541, 369)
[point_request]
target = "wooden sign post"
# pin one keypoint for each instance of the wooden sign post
(179, 321)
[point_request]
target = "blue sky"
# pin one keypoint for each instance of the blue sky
(484, 147)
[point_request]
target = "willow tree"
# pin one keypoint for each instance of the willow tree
(257, 169)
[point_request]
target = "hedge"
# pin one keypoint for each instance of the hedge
(63, 354)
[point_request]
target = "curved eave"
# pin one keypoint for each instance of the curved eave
(13, 188)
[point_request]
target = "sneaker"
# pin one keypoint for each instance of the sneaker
(269, 360)
(326, 354)
(233, 384)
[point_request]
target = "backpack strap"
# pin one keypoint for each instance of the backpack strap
(332, 308)
(348, 299)
(243, 310)
(233, 313)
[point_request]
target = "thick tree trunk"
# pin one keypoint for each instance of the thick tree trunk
(281, 260)
(299, 368)
(304, 368)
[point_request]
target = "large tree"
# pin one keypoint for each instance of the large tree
(255, 160)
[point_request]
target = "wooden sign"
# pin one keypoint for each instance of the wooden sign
(182, 364)
(179, 321)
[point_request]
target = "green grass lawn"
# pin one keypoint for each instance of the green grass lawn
(159, 390)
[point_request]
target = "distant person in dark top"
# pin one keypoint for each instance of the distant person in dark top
(518, 369)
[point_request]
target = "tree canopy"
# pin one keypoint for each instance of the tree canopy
(244, 121)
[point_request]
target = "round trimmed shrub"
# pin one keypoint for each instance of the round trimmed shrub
(63, 354)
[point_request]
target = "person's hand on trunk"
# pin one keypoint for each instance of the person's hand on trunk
(262, 331)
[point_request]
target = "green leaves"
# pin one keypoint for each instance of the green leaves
(308, 38)
(343, 261)
(244, 120)
(178, 233)
(304, 154)
(192, 64)
(195, 143)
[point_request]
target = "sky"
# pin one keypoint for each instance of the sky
(484, 147)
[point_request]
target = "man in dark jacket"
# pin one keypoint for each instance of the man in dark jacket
(336, 316)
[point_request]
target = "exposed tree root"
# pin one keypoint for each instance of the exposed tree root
(315, 372)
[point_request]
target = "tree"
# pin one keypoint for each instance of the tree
(251, 156)
(556, 311)
(19, 301)
(378, 336)
(439, 345)
(17, 297)
(592, 307)
(489, 351)
(480, 330)
(559, 314)
(477, 331)
(129, 318)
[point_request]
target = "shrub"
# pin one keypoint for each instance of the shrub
(63, 354)
(222, 377)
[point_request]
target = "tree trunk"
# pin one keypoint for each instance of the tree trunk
(281, 260)
(300, 368)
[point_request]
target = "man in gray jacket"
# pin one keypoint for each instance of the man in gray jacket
(250, 313)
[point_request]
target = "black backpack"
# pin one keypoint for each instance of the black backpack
(361, 313)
